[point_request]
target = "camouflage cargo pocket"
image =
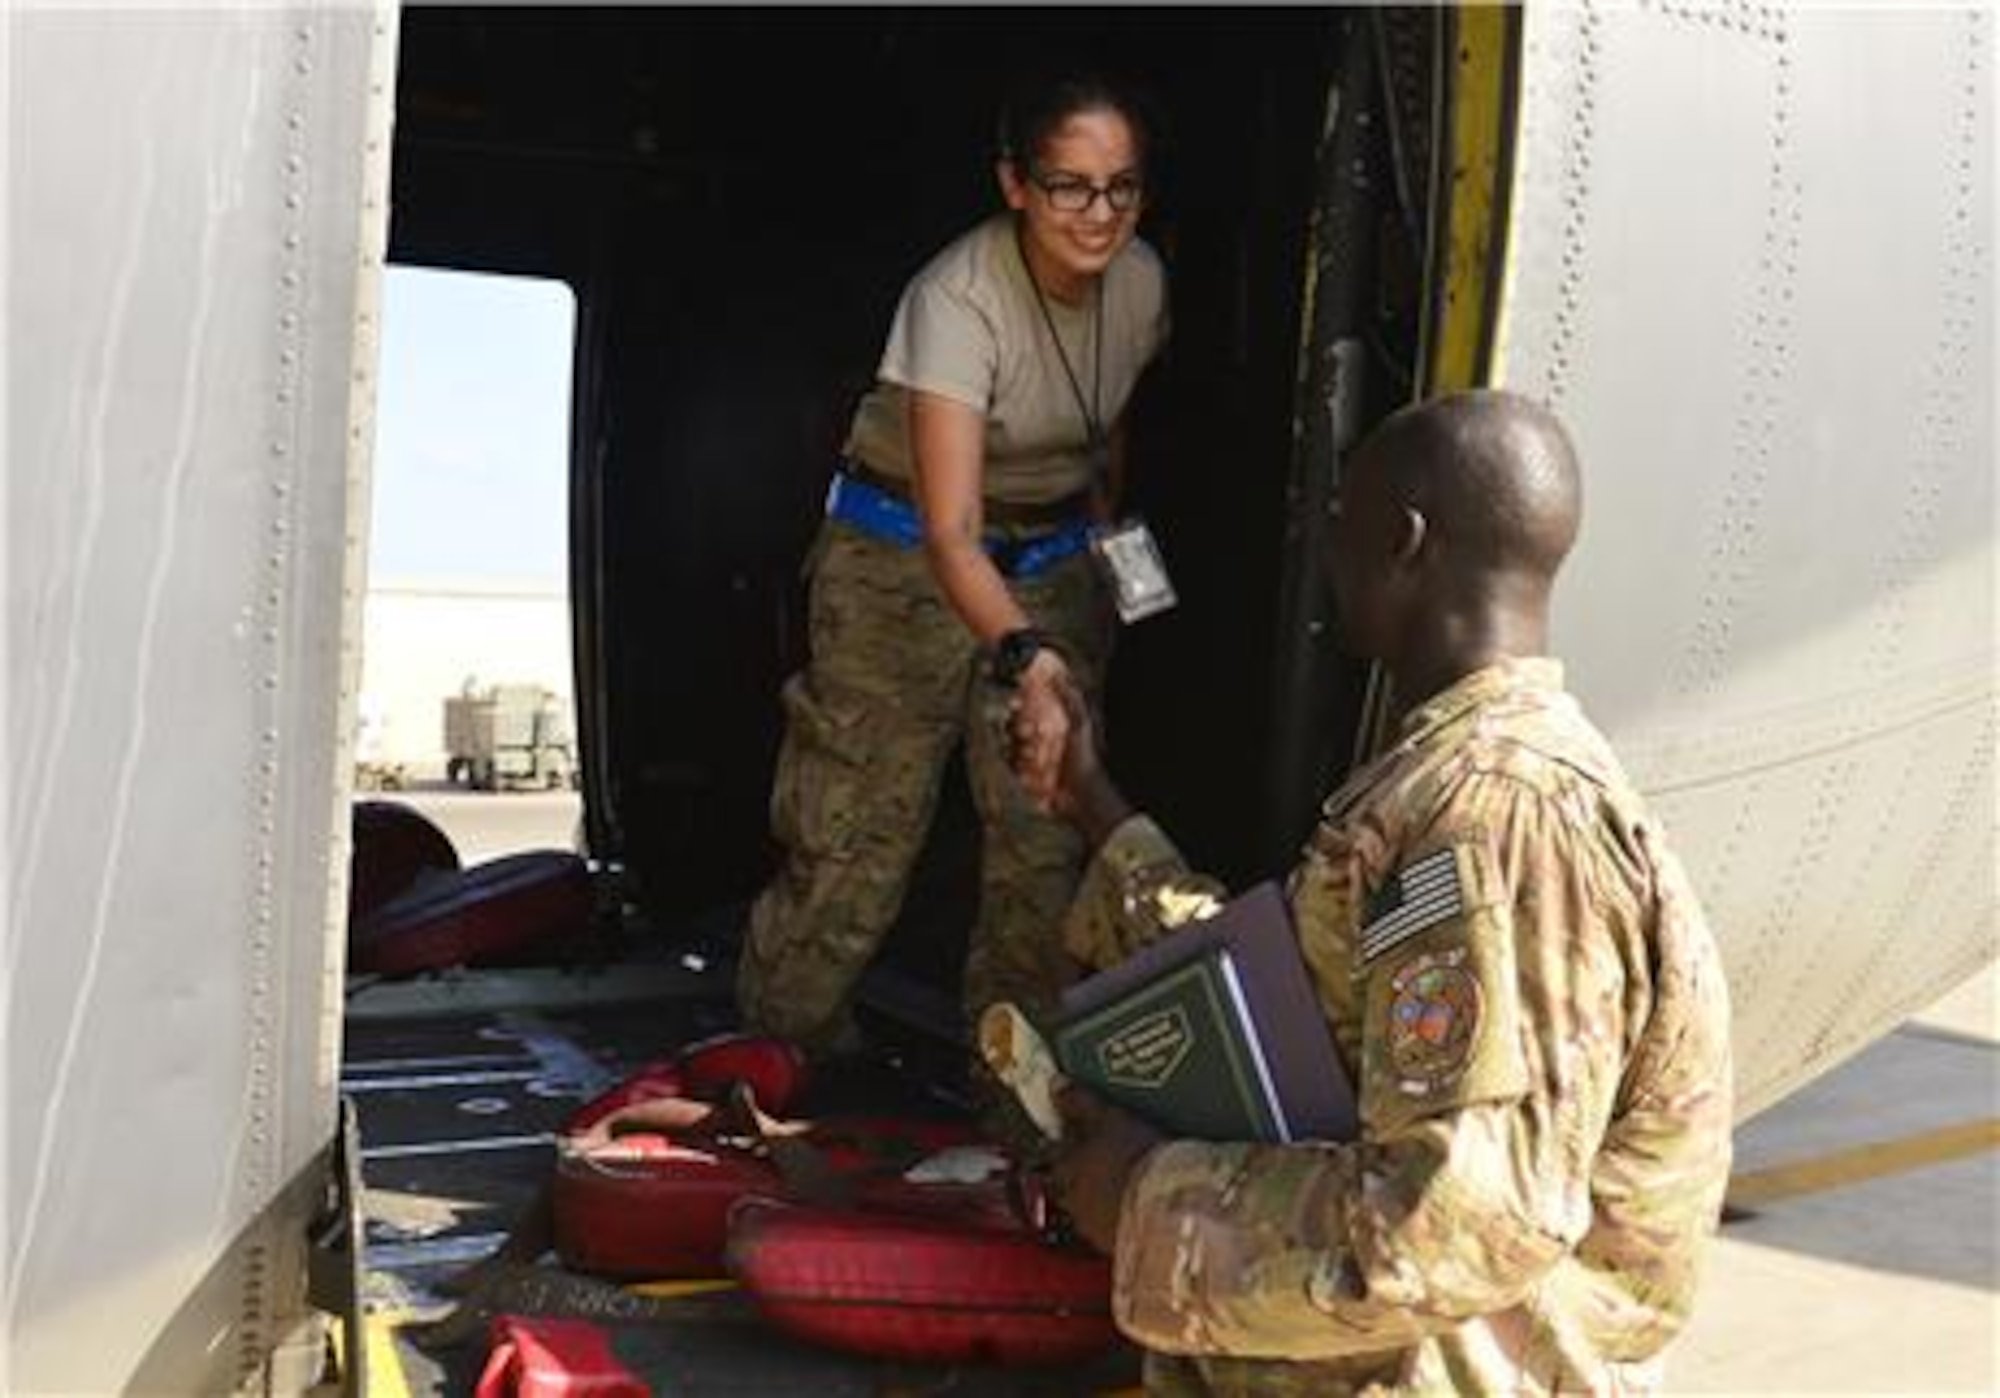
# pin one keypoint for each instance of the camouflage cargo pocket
(817, 793)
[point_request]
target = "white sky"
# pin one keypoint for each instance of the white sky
(471, 445)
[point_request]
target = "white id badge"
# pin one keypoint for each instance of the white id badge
(1133, 569)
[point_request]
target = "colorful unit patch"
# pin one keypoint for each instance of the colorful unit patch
(1417, 896)
(1433, 1020)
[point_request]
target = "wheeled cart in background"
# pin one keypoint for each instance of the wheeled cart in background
(508, 737)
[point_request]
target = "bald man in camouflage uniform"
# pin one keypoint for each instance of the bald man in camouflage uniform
(1515, 970)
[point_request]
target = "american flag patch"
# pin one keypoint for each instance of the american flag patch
(1417, 896)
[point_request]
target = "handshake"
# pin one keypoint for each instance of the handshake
(1052, 742)
(1051, 737)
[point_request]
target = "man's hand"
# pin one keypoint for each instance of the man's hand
(1052, 738)
(1075, 785)
(1101, 1146)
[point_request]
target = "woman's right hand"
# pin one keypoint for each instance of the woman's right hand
(1040, 727)
(1071, 783)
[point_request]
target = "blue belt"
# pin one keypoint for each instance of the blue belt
(880, 515)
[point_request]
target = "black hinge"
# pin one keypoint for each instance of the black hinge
(333, 1253)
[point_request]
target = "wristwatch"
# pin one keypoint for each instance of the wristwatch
(1013, 653)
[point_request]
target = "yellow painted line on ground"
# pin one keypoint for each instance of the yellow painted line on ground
(671, 1289)
(384, 1366)
(1864, 1163)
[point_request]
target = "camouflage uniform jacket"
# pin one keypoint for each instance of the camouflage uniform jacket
(1524, 988)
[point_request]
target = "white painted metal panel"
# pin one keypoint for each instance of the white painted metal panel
(196, 215)
(1750, 266)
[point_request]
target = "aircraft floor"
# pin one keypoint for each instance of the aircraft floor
(1863, 1257)
(459, 1087)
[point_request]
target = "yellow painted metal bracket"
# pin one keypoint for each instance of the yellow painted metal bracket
(1469, 254)
(378, 1368)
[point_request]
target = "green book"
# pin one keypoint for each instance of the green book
(1214, 1032)
(1181, 1052)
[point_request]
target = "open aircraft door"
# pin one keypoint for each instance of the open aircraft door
(197, 211)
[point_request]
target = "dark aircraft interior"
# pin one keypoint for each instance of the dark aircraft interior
(736, 197)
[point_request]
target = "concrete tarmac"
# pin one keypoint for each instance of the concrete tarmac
(486, 824)
(1867, 1259)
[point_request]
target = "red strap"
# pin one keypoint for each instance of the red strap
(554, 1357)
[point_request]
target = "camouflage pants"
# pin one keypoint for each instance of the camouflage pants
(894, 683)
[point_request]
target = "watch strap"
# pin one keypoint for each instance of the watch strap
(1014, 652)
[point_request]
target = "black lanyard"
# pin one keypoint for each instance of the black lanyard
(1092, 411)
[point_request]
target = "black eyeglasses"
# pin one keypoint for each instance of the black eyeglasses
(1073, 194)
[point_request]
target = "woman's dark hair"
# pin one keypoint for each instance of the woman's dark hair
(1037, 107)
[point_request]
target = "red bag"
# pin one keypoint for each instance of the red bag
(551, 1357)
(490, 913)
(653, 1209)
(920, 1289)
(651, 1206)
(394, 846)
(648, 1083)
(773, 1069)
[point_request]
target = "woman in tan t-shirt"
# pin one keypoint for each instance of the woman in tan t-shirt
(952, 578)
